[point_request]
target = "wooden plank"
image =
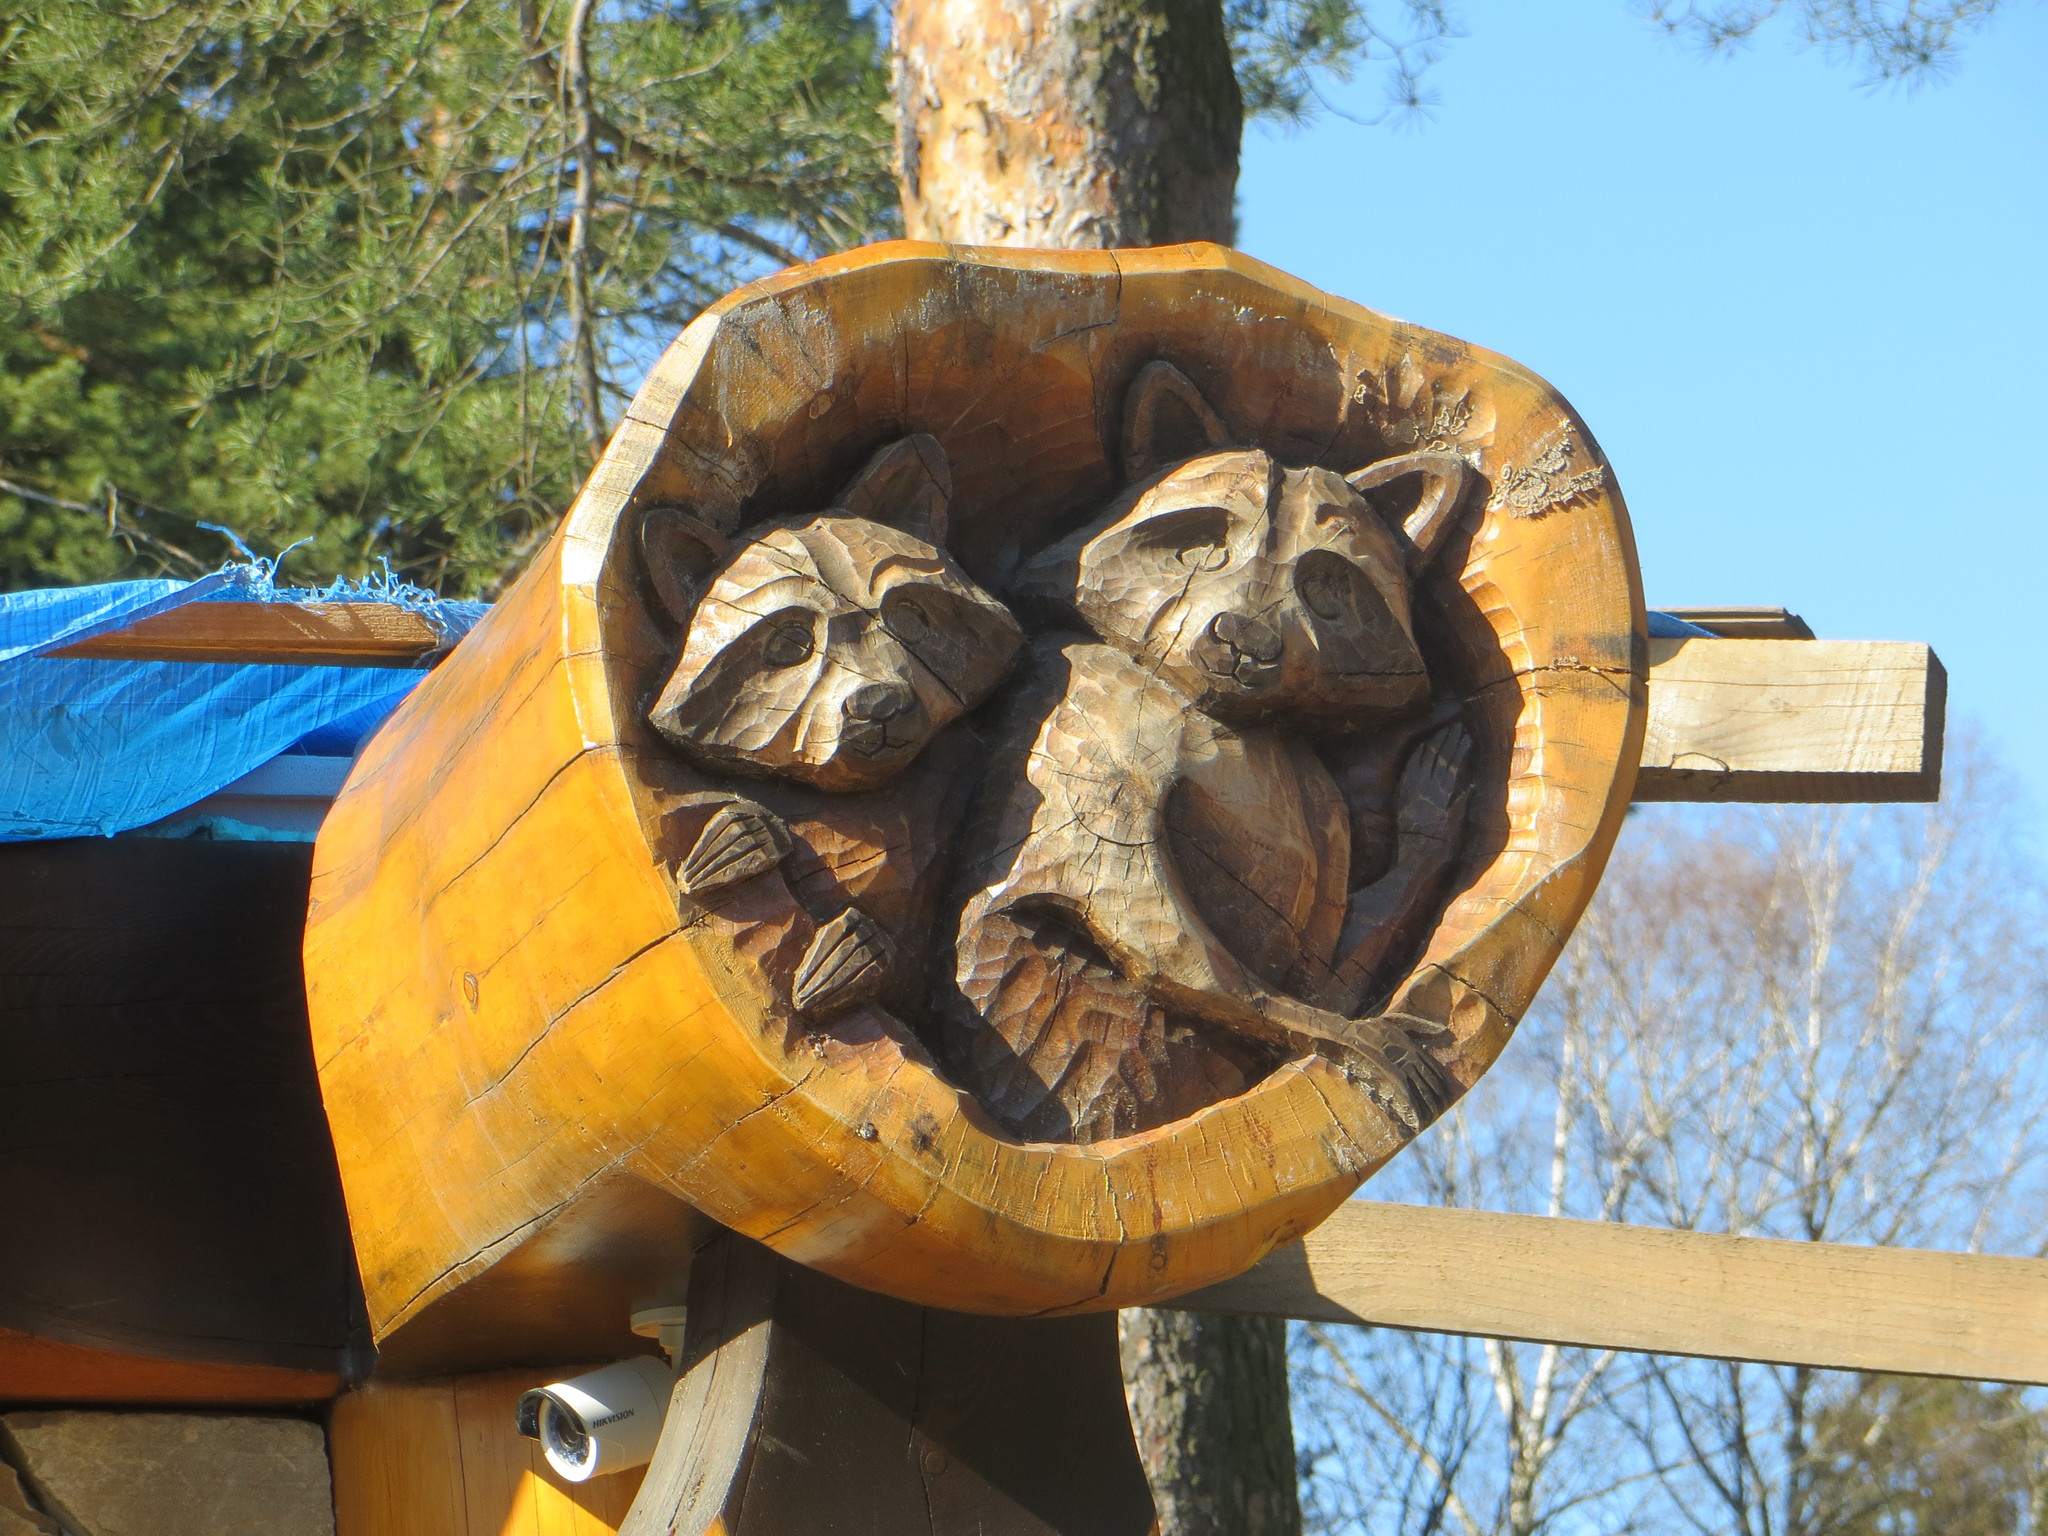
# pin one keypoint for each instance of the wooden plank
(1746, 623)
(45, 1371)
(326, 634)
(1602, 1285)
(289, 795)
(1781, 721)
(442, 1458)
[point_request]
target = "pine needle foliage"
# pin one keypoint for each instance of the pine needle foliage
(1891, 42)
(374, 273)
(1904, 1456)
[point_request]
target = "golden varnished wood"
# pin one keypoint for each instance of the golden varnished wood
(515, 1006)
(442, 1457)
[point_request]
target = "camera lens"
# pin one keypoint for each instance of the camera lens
(562, 1435)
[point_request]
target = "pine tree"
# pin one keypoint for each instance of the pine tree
(375, 273)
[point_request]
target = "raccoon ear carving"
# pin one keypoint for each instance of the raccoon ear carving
(1166, 419)
(681, 551)
(908, 485)
(1446, 479)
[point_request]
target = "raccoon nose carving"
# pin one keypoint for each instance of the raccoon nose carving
(869, 710)
(1241, 648)
(878, 701)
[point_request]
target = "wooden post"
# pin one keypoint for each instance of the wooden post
(809, 1406)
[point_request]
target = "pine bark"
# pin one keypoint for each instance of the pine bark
(1079, 124)
(1085, 124)
(1208, 1400)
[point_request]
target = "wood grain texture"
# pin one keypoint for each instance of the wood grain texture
(442, 1458)
(1603, 1285)
(328, 634)
(513, 1004)
(37, 1370)
(1778, 721)
(807, 1405)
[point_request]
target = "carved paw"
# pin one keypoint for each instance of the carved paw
(846, 964)
(1431, 802)
(1391, 1061)
(742, 840)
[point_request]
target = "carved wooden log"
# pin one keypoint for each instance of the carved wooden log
(688, 881)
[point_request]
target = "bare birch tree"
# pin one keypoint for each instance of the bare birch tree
(1822, 1024)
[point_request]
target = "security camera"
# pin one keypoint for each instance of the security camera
(605, 1421)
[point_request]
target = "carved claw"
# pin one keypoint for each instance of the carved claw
(1394, 1067)
(846, 964)
(742, 840)
(1432, 795)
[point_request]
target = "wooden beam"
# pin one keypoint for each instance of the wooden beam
(1746, 623)
(1602, 1285)
(1730, 719)
(324, 634)
(1793, 720)
(38, 1370)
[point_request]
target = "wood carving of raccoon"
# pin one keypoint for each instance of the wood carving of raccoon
(1164, 890)
(821, 655)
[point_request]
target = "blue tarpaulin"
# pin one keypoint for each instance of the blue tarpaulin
(91, 748)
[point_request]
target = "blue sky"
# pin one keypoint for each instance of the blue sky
(1807, 322)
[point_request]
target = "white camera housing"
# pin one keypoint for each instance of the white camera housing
(606, 1421)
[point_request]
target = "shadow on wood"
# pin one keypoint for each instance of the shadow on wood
(808, 1405)
(169, 1188)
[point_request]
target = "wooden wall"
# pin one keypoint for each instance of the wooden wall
(169, 1188)
(441, 1458)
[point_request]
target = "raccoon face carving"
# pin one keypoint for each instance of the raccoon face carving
(828, 648)
(1158, 898)
(1258, 591)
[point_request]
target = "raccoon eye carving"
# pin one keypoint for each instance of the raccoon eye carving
(788, 644)
(1198, 537)
(1326, 592)
(907, 622)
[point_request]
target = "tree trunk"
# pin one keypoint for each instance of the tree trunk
(1085, 124)
(1208, 1400)
(1067, 123)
